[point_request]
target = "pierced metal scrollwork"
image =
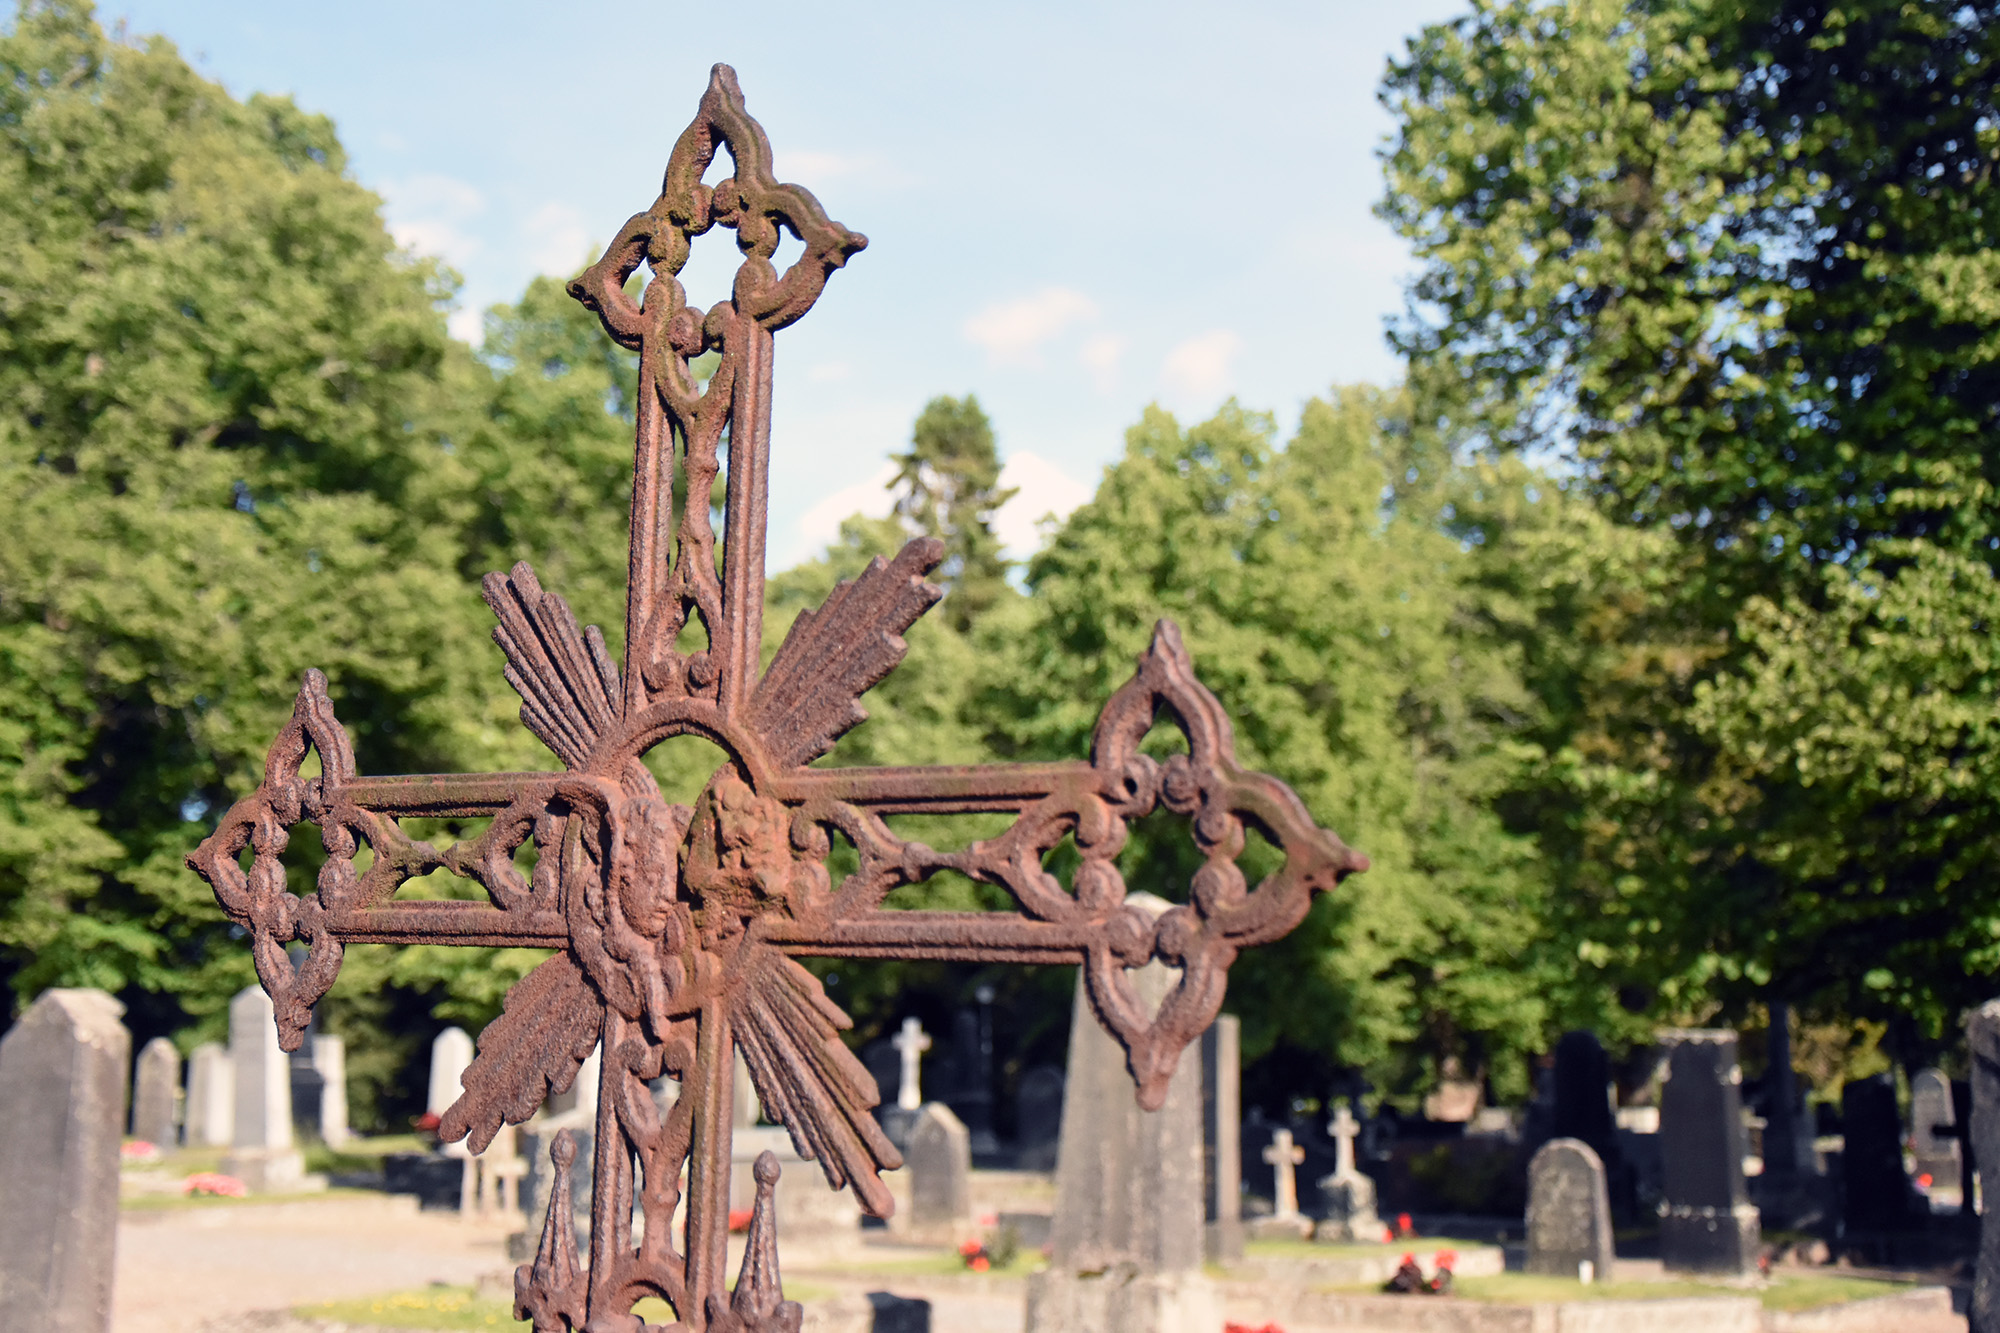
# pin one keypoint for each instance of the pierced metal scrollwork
(678, 927)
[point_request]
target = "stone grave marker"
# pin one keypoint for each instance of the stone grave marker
(1456, 1099)
(1285, 1221)
(970, 1094)
(261, 1149)
(1126, 1244)
(910, 1044)
(1707, 1223)
(211, 1097)
(1569, 1212)
(1982, 1039)
(156, 1087)
(940, 1166)
(1038, 1107)
(308, 1086)
(1222, 1137)
(1582, 1086)
(1934, 1129)
(62, 1107)
(1347, 1197)
(329, 1055)
(451, 1056)
(1876, 1196)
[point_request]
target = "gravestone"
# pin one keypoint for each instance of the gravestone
(330, 1060)
(451, 1056)
(1569, 1212)
(971, 1091)
(62, 1107)
(1876, 1193)
(1285, 1222)
(1126, 1244)
(1582, 1086)
(308, 1086)
(1038, 1118)
(1347, 1197)
(261, 1151)
(211, 1097)
(1982, 1040)
(1222, 1138)
(940, 1166)
(1934, 1129)
(910, 1044)
(1707, 1223)
(156, 1086)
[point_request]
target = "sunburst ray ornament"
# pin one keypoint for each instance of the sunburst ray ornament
(677, 928)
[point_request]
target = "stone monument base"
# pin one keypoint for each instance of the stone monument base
(1709, 1240)
(272, 1171)
(1121, 1299)
(1296, 1227)
(810, 1212)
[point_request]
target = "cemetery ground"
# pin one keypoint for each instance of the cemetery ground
(359, 1259)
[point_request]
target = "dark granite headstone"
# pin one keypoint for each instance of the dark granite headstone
(1569, 1212)
(1038, 1117)
(1222, 1128)
(62, 1109)
(1582, 1094)
(1707, 1223)
(970, 1093)
(308, 1089)
(436, 1181)
(1877, 1197)
(1982, 1039)
(899, 1314)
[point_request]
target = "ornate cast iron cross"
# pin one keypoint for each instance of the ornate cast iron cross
(678, 927)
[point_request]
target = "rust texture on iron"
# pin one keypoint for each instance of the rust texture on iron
(678, 928)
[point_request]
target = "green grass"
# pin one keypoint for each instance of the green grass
(456, 1309)
(1785, 1292)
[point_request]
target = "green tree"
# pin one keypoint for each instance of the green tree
(1326, 603)
(948, 486)
(1730, 262)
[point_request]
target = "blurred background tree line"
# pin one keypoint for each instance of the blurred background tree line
(1642, 638)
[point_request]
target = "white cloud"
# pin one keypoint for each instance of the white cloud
(820, 524)
(1202, 368)
(1012, 332)
(1044, 490)
(557, 241)
(432, 215)
(1101, 356)
(468, 326)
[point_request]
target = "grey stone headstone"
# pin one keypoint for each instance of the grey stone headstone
(1707, 1223)
(1933, 1128)
(261, 1154)
(329, 1055)
(1876, 1190)
(1569, 1211)
(211, 1097)
(1222, 1138)
(62, 1107)
(156, 1085)
(451, 1056)
(1038, 1117)
(1982, 1039)
(1126, 1244)
(940, 1165)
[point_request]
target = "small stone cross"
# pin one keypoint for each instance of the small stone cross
(912, 1042)
(1344, 1128)
(675, 931)
(1283, 1155)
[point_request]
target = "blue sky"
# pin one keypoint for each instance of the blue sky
(1073, 210)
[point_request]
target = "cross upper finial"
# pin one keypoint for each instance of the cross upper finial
(911, 1043)
(676, 930)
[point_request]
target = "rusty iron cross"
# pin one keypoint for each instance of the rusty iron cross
(678, 928)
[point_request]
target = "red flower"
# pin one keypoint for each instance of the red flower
(739, 1219)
